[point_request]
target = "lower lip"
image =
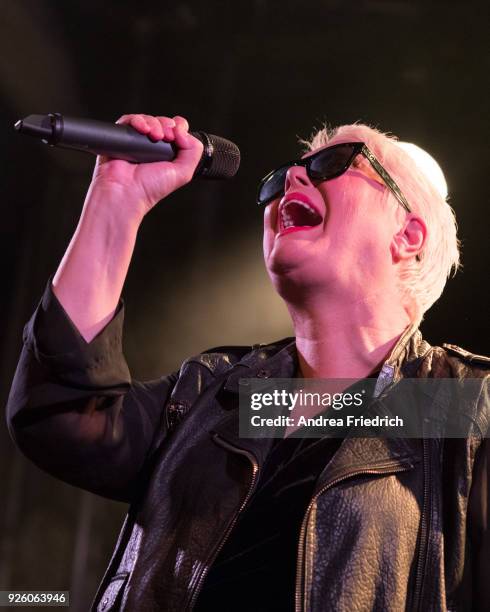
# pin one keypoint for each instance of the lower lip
(300, 228)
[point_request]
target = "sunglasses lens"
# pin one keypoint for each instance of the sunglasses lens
(273, 186)
(324, 165)
(331, 162)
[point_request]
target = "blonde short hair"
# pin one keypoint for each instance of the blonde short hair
(422, 182)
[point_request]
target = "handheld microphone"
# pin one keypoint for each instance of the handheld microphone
(220, 158)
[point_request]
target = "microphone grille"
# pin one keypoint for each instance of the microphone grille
(221, 157)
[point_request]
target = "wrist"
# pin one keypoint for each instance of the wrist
(114, 204)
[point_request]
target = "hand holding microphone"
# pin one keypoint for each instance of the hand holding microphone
(145, 184)
(176, 155)
(165, 156)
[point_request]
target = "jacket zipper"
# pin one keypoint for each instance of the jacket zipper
(392, 468)
(210, 560)
(423, 548)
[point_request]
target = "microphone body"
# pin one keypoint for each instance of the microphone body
(220, 158)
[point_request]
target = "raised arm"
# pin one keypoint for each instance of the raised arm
(90, 278)
(73, 408)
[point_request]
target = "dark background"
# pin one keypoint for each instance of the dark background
(261, 73)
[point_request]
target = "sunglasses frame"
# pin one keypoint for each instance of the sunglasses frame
(357, 147)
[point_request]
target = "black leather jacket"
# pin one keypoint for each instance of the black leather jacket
(394, 524)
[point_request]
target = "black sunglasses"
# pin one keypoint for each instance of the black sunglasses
(327, 164)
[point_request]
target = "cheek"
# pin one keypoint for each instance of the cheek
(270, 217)
(341, 209)
(357, 224)
(373, 239)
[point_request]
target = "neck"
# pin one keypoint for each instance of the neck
(346, 339)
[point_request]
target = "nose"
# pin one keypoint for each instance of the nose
(296, 177)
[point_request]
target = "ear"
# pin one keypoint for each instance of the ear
(409, 240)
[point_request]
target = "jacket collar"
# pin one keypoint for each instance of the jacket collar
(404, 359)
(280, 360)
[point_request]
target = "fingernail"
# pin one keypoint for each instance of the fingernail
(172, 123)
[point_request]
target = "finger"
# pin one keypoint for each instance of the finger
(156, 132)
(182, 121)
(181, 131)
(189, 151)
(183, 139)
(136, 121)
(168, 126)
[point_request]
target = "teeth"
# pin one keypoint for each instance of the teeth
(286, 219)
(304, 204)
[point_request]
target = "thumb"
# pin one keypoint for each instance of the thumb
(189, 148)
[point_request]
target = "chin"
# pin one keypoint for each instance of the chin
(283, 263)
(293, 282)
(286, 255)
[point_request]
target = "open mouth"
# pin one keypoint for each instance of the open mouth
(297, 214)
